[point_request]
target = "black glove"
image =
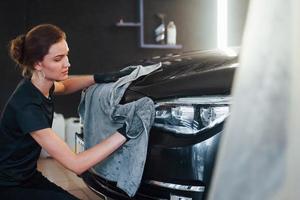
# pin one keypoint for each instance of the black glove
(123, 131)
(112, 76)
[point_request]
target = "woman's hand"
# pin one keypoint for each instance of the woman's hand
(123, 131)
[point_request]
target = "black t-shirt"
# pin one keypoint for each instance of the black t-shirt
(27, 110)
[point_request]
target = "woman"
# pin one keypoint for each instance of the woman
(26, 120)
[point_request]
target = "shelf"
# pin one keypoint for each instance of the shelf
(161, 46)
(140, 24)
(128, 24)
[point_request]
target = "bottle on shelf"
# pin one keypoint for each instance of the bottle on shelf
(160, 30)
(171, 33)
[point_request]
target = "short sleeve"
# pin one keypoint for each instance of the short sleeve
(31, 118)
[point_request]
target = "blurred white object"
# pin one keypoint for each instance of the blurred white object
(58, 126)
(73, 126)
(79, 144)
(171, 33)
(161, 29)
(258, 158)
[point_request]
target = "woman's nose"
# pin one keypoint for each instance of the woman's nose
(67, 63)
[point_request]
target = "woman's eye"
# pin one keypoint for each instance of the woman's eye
(57, 59)
(60, 58)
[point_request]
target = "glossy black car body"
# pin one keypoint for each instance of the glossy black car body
(178, 166)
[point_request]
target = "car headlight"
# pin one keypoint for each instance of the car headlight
(191, 115)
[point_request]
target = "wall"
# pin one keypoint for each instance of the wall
(12, 22)
(97, 45)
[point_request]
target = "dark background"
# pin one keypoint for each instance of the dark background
(97, 45)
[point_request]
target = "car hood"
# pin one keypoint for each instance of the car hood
(190, 74)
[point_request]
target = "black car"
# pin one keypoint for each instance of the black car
(192, 95)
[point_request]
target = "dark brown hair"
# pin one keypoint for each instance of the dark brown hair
(27, 49)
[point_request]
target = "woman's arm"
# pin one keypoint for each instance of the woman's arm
(78, 163)
(73, 84)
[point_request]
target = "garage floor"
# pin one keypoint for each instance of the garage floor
(65, 179)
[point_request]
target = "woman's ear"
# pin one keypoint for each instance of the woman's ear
(38, 65)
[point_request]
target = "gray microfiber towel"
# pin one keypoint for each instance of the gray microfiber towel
(102, 115)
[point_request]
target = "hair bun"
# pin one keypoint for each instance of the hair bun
(16, 49)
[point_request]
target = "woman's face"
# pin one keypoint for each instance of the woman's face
(55, 64)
